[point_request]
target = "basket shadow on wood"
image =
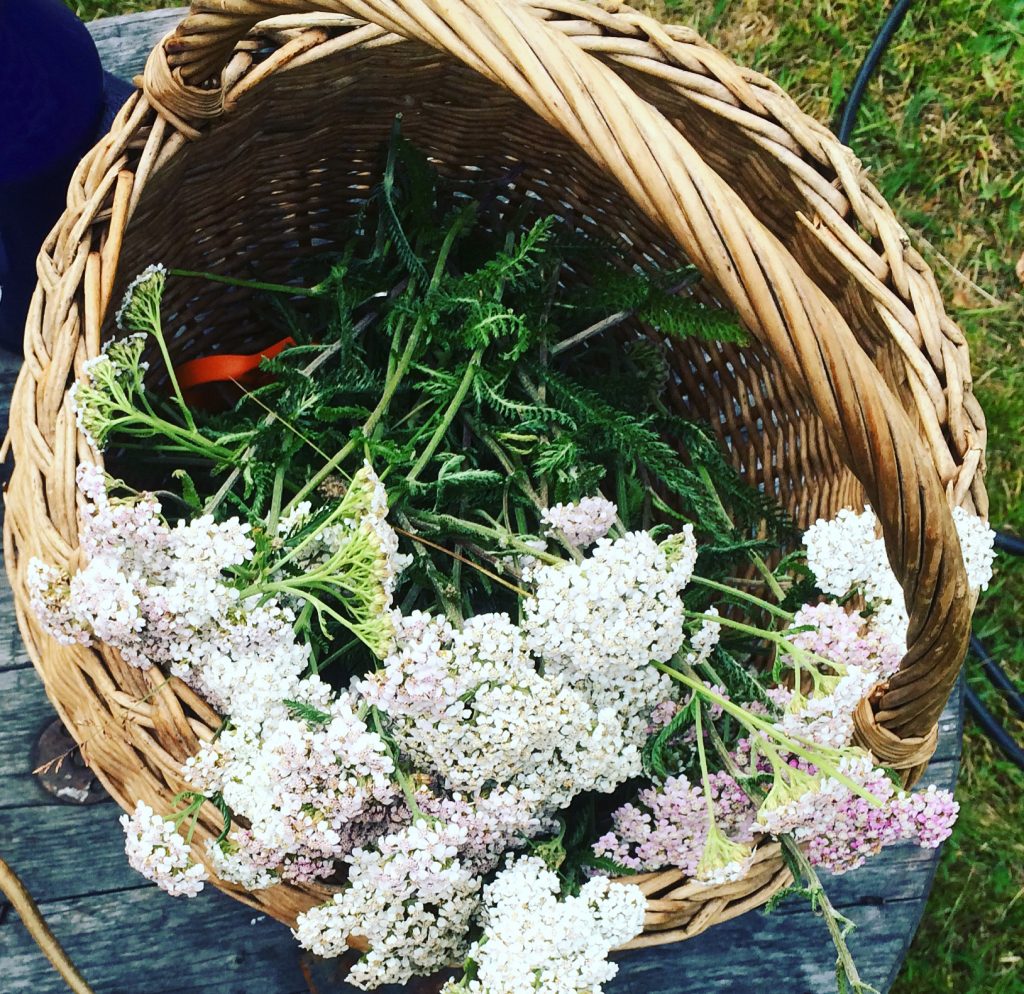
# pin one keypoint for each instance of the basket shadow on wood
(857, 386)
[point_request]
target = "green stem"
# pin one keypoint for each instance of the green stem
(750, 598)
(520, 480)
(595, 329)
(790, 648)
(702, 758)
(312, 367)
(308, 540)
(275, 501)
(390, 387)
(452, 610)
(762, 633)
(818, 756)
(182, 438)
(408, 791)
(838, 924)
(393, 381)
(293, 291)
(448, 417)
(759, 563)
(615, 319)
(191, 810)
(506, 538)
(767, 575)
(799, 861)
(158, 334)
(304, 592)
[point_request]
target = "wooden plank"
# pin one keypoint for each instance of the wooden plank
(124, 42)
(12, 650)
(210, 944)
(951, 729)
(24, 712)
(143, 942)
(782, 953)
(38, 840)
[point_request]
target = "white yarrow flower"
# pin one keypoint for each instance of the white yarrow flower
(160, 854)
(535, 943)
(846, 554)
(977, 541)
(151, 278)
(619, 607)
(411, 898)
(583, 522)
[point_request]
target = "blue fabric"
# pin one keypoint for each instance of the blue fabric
(55, 102)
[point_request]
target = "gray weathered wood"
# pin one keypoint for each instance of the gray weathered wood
(127, 943)
(124, 42)
(24, 712)
(129, 938)
(12, 654)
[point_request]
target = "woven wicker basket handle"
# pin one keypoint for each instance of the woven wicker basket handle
(775, 298)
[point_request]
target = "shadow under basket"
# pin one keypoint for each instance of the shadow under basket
(247, 146)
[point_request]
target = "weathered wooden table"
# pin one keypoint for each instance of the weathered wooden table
(127, 937)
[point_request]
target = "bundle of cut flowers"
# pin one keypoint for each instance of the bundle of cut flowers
(490, 628)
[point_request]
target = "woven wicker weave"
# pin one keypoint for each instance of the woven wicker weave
(248, 149)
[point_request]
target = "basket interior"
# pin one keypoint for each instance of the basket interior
(298, 154)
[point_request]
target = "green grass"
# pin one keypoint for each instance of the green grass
(942, 131)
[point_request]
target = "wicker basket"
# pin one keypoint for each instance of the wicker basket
(251, 143)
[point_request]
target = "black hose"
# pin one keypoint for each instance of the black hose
(993, 729)
(851, 106)
(1006, 542)
(997, 676)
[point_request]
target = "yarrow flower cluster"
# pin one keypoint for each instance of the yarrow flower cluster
(354, 541)
(842, 657)
(310, 790)
(142, 298)
(668, 825)
(410, 897)
(162, 595)
(977, 542)
(544, 708)
(704, 640)
(503, 724)
(617, 608)
(583, 522)
(159, 853)
(494, 821)
(847, 555)
(107, 385)
(470, 704)
(840, 828)
(599, 623)
(534, 943)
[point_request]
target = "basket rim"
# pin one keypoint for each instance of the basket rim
(101, 199)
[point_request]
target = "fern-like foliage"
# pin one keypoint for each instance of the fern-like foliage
(433, 344)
